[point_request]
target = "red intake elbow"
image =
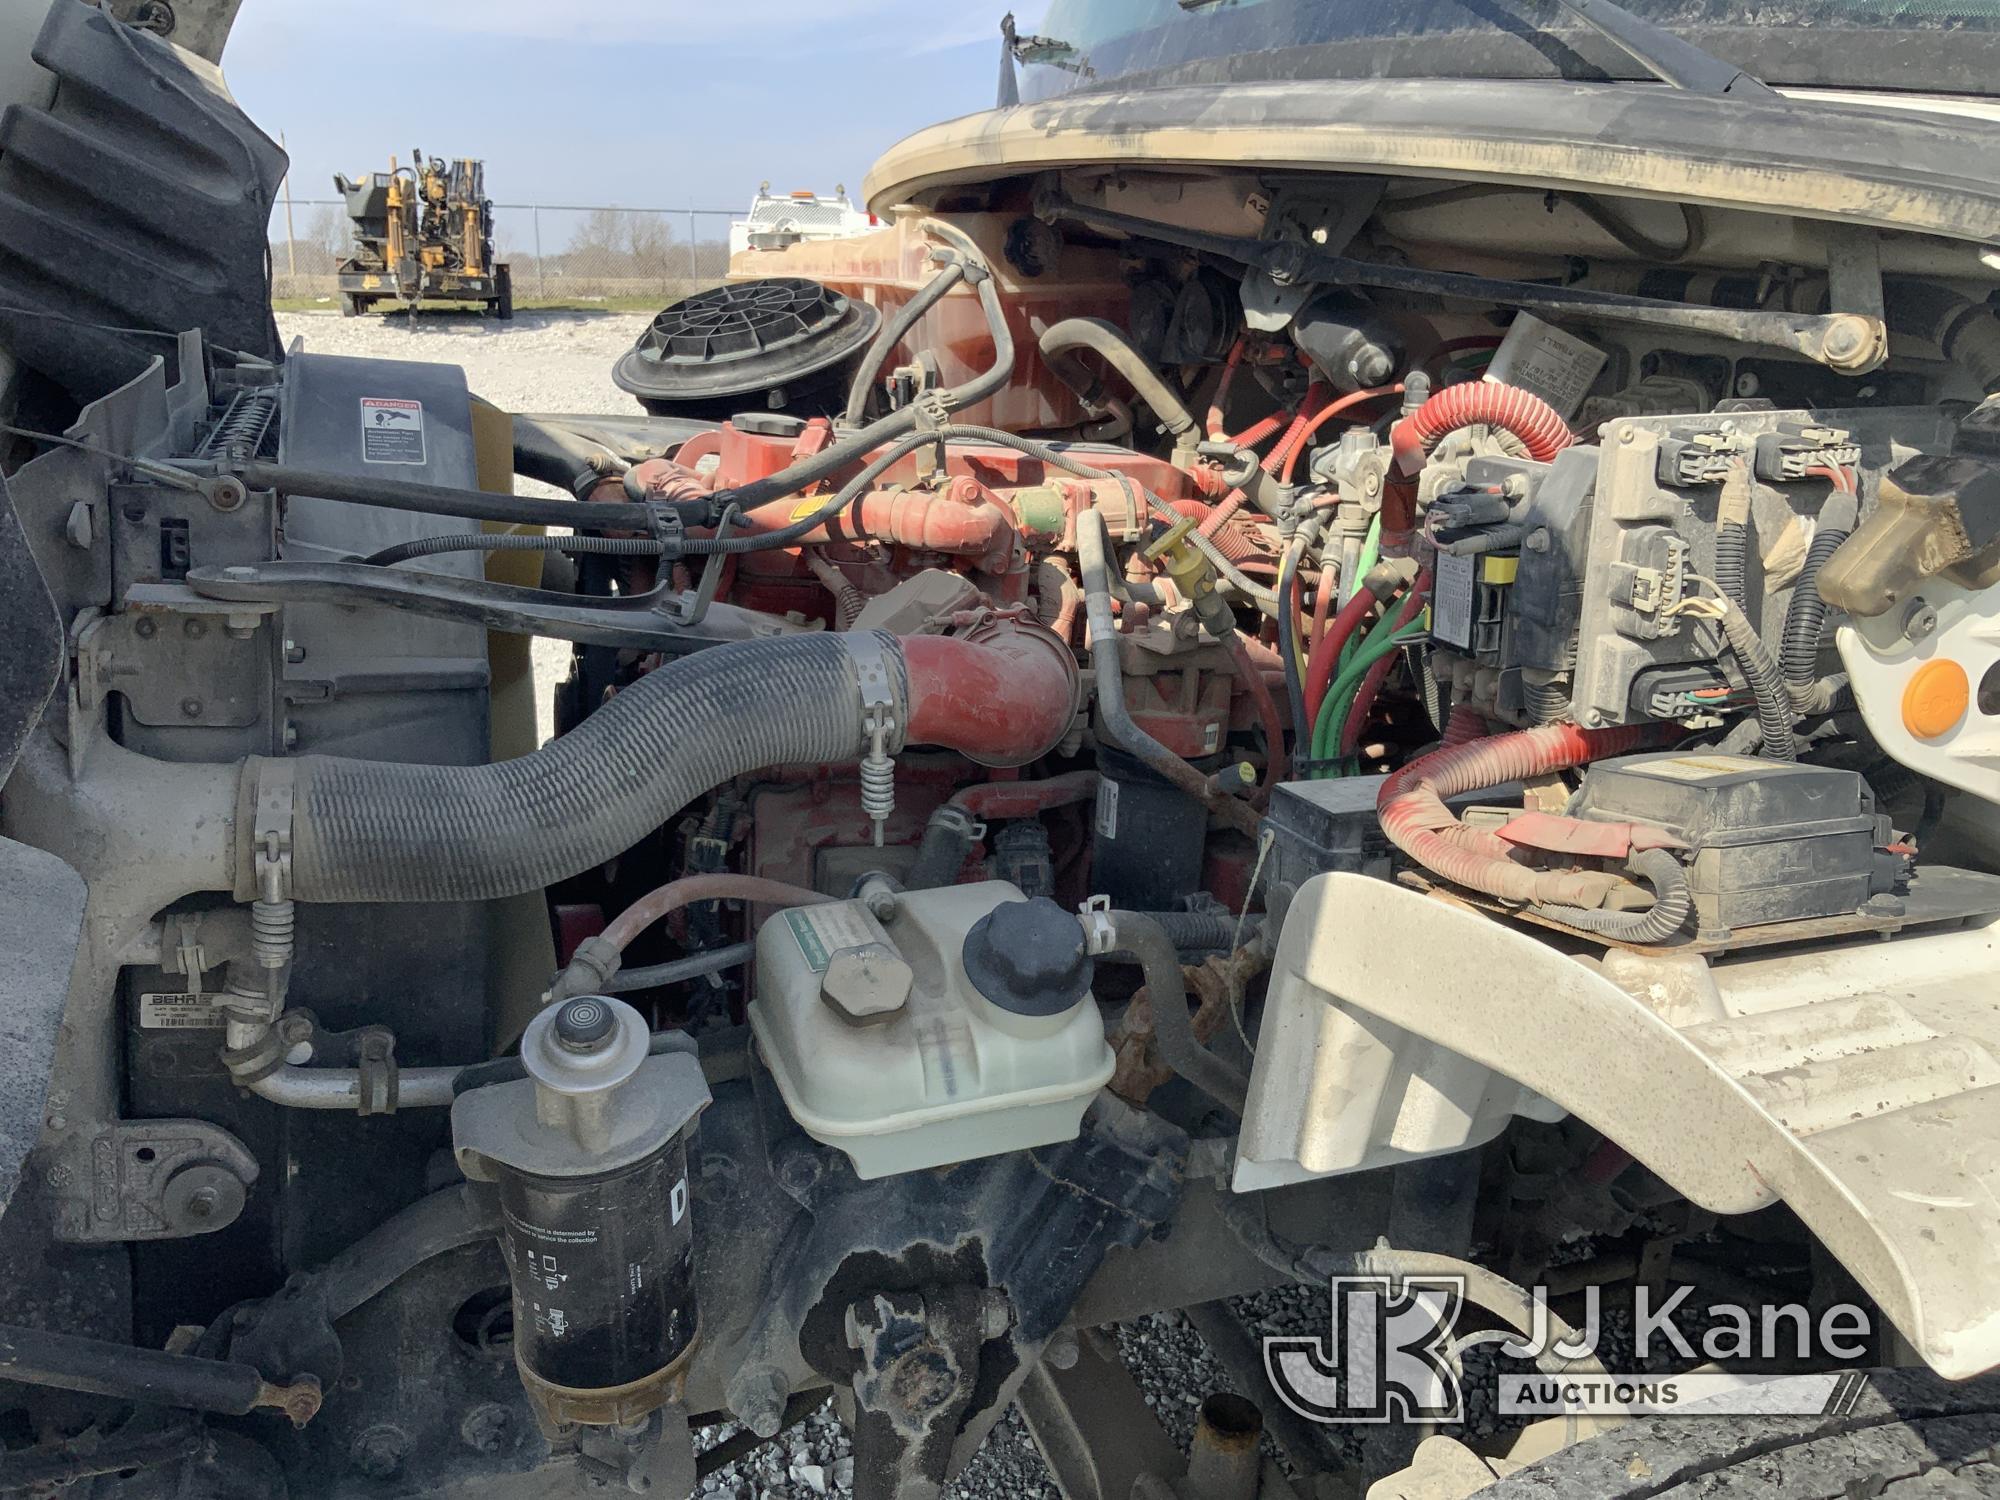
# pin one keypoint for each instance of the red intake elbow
(1004, 693)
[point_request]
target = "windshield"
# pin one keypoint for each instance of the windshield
(1898, 44)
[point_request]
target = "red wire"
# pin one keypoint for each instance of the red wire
(1293, 446)
(1371, 684)
(1215, 417)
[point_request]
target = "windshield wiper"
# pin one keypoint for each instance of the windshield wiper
(1664, 55)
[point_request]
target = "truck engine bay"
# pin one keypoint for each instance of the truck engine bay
(1251, 725)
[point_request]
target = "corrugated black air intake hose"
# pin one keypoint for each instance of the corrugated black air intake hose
(375, 831)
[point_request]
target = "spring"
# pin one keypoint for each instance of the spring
(878, 788)
(239, 431)
(271, 928)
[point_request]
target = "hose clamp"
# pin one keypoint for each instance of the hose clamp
(271, 830)
(1099, 935)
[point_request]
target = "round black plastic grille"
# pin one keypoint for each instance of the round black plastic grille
(738, 322)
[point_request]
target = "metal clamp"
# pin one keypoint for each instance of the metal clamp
(878, 719)
(1099, 936)
(271, 829)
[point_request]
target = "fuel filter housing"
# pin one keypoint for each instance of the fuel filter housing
(589, 1153)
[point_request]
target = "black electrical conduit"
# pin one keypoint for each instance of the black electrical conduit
(1775, 711)
(1805, 617)
(381, 831)
(1672, 901)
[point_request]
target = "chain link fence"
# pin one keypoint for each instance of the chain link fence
(560, 253)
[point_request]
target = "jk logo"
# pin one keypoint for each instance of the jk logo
(1386, 1359)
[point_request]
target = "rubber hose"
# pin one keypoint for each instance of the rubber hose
(1109, 341)
(1115, 721)
(377, 831)
(1672, 901)
(943, 850)
(1198, 931)
(1805, 617)
(1774, 701)
(1149, 945)
(1966, 331)
(565, 459)
(891, 334)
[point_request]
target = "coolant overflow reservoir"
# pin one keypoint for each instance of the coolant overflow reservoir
(883, 1045)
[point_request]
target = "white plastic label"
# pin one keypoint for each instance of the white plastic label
(1107, 808)
(1702, 767)
(822, 931)
(1452, 600)
(392, 430)
(1544, 361)
(181, 1010)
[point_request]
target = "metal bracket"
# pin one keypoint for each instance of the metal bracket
(150, 1180)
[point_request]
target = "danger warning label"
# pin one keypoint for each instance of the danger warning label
(392, 430)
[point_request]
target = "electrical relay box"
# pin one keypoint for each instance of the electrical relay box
(1767, 841)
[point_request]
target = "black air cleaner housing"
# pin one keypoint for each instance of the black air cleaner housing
(783, 343)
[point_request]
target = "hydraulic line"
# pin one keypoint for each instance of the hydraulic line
(1275, 763)
(97, 1367)
(1378, 648)
(1294, 447)
(500, 541)
(681, 970)
(1289, 611)
(1405, 627)
(442, 500)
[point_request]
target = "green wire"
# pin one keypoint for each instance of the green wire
(1359, 654)
(1339, 700)
(1371, 553)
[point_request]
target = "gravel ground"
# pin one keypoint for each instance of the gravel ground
(539, 362)
(561, 362)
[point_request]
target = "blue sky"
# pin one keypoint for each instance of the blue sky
(639, 103)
